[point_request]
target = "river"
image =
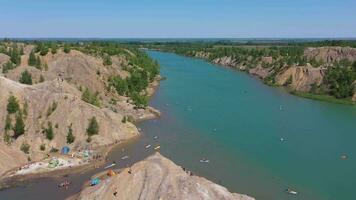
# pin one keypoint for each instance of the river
(238, 123)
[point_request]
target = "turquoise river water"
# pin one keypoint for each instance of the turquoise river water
(236, 122)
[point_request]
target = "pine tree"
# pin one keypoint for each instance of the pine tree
(32, 60)
(26, 78)
(12, 105)
(93, 127)
(19, 128)
(70, 136)
(49, 131)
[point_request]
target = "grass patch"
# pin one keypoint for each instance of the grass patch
(323, 97)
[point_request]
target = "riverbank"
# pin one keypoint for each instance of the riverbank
(154, 178)
(77, 161)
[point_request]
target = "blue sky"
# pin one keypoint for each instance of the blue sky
(178, 18)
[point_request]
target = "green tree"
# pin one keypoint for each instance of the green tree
(32, 60)
(49, 131)
(26, 78)
(12, 105)
(93, 127)
(70, 136)
(19, 127)
(8, 123)
(107, 60)
(8, 66)
(25, 148)
(92, 98)
(66, 48)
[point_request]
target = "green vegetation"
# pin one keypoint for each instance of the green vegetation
(52, 108)
(25, 148)
(340, 79)
(12, 105)
(7, 66)
(19, 127)
(34, 60)
(93, 127)
(107, 60)
(43, 147)
(323, 97)
(70, 136)
(26, 78)
(92, 98)
(49, 131)
(8, 123)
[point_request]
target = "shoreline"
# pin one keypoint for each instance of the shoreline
(307, 95)
(10, 179)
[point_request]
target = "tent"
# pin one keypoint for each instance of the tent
(53, 163)
(94, 181)
(65, 150)
(111, 173)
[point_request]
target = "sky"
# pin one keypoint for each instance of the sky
(178, 18)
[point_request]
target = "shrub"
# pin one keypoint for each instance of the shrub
(41, 79)
(19, 128)
(25, 148)
(66, 48)
(8, 123)
(32, 60)
(52, 108)
(70, 136)
(124, 119)
(92, 98)
(93, 127)
(26, 78)
(8, 66)
(43, 147)
(53, 150)
(49, 131)
(12, 105)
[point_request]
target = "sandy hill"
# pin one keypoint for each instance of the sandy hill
(70, 109)
(154, 178)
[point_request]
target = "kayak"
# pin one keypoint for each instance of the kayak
(111, 165)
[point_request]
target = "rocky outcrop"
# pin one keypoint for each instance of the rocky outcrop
(202, 54)
(260, 72)
(301, 78)
(331, 54)
(226, 61)
(157, 178)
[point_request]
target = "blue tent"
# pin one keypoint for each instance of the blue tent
(65, 150)
(94, 181)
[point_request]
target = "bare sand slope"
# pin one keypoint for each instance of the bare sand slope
(70, 110)
(154, 178)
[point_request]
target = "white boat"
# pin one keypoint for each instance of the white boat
(157, 147)
(147, 146)
(289, 191)
(125, 157)
(111, 165)
(155, 137)
(204, 160)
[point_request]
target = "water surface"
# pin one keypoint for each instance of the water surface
(237, 123)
